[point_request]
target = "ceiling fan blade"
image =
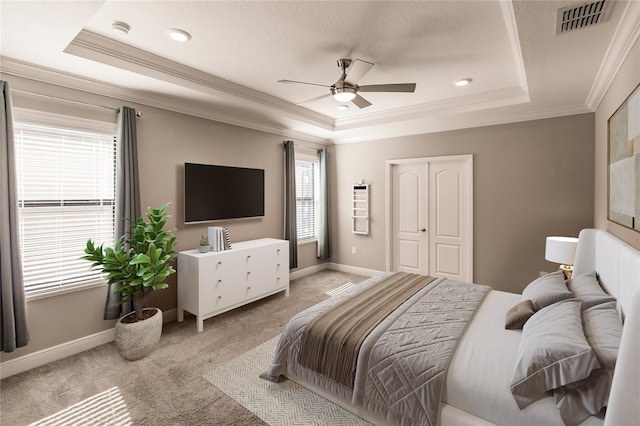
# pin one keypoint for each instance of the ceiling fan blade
(317, 98)
(357, 70)
(401, 87)
(361, 102)
(302, 82)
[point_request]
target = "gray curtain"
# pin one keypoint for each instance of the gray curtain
(127, 196)
(324, 246)
(290, 225)
(13, 305)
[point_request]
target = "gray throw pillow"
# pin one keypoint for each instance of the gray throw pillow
(553, 352)
(587, 288)
(518, 315)
(603, 330)
(547, 290)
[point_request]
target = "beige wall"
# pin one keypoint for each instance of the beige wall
(625, 82)
(166, 140)
(531, 180)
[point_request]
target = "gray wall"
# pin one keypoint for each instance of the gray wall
(166, 140)
(531, 180)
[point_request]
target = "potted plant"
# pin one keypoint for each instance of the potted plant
(138, 264)
(204, 244)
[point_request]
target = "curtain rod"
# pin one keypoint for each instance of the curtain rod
(138, 113)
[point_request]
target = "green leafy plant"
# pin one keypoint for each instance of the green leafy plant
(139, 263)
(204, 240)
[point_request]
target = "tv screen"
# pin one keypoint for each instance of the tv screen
(222, 192)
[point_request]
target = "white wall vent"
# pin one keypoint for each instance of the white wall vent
(581, 15)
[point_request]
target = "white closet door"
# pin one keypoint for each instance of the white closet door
(431, 216)
(410, 218)
(449, 219)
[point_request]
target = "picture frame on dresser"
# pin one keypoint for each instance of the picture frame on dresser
(623, 163)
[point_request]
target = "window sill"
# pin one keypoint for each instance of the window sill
(307, 242)
(59, 291)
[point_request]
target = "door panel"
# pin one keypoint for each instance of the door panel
(449, 226)
(409, 245)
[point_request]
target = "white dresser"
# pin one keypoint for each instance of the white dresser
(215, 282)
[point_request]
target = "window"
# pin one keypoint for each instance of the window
(66, 195)
(306, 196)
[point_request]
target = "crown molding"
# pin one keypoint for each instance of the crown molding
(621, 44)
(89, 45)
(22, 69)
(461, 121)
(485, 100)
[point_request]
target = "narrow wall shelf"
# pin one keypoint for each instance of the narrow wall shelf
(360, 209)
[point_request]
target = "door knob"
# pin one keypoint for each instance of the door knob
(423, 230)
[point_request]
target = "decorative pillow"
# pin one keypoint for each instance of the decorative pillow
(553, 352)
(547, 290)
(587, 288)
(518, 315)
(603, 330)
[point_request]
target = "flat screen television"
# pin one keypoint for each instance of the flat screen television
(222, 192)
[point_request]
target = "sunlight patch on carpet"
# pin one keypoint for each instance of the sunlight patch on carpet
(340, 289)
(278, 404)
(105, 408)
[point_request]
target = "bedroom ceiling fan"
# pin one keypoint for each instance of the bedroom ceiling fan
(346, 88)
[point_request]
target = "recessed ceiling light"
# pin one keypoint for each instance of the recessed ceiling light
(343, 107)
(178, 34)
(120, 28)
(462, 82)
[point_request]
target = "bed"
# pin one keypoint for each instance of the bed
(477, 386)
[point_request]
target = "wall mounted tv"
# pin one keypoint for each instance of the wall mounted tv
(222, 192)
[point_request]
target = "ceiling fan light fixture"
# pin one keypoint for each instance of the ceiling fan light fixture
(343, 94)
(462, 82)
(178, 34)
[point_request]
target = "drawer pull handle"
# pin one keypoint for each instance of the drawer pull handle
(248, 257)
(219, 281)
(219, 262)
(248, 287)
(248, 273)
(278, 251)
(219, 297)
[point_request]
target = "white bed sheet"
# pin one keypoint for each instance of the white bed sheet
(480, 371)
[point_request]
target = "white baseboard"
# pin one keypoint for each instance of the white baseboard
(308, 271)
(63, 350)
(45, 356)
(353, 269)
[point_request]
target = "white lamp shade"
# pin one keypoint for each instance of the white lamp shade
(561, 250)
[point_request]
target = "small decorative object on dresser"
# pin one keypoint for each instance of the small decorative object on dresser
(204, 244)
(218, 281)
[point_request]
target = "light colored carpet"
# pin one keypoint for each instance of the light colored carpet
(277, 404)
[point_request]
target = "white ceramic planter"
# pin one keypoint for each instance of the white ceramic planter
(204, 249)
(138, 339)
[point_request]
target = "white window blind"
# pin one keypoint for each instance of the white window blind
(66, 195)
(306, 193)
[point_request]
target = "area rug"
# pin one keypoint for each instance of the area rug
(277, 404)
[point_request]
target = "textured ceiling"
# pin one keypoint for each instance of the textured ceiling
(240, 49)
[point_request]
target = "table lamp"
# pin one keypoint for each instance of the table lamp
(562, 250)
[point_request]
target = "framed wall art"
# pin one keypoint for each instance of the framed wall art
(624, 163)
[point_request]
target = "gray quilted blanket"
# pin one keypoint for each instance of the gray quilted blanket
(402, 364)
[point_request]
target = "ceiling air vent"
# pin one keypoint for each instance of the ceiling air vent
(580, 16)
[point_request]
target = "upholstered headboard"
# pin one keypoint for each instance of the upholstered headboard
(618, 267)
(617, 264)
